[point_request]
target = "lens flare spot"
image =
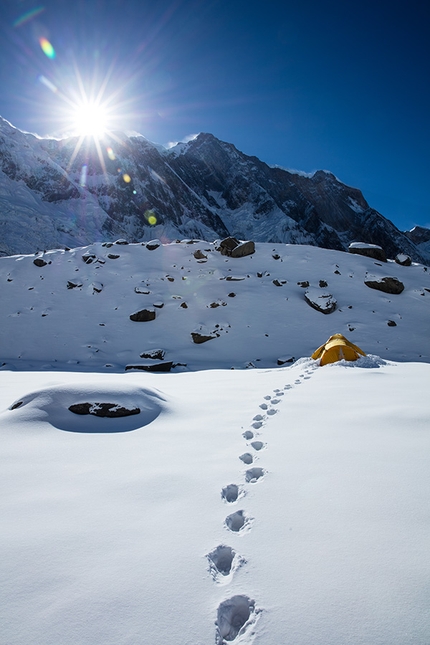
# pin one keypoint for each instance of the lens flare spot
(126, 178)
(47, 48)
(111, 154)
(28, 16)
(48, 83)
(150, 217)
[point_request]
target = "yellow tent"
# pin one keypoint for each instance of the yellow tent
(337, 348)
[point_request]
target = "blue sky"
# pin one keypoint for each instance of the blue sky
(334, 85)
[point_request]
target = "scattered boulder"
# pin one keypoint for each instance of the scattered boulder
(282, 360)
(323, 284)
(403, 259)
(113, 256)
(276, 256)
(368, 250)
(199, 338)
(304, 284)
(110, 410)
(232, 295)
(164, 366)
(144, 315)
(97, 287)
(392, 323)
(143, 290)
(73, 284)
(155, 354)
(323, 302)
(234, 278)
(153, 244)
(39, 262)
(199, 255)
(121, 242)
(235, 249)
(387, 285)
(89, 258)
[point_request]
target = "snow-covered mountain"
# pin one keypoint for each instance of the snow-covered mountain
(56, 193)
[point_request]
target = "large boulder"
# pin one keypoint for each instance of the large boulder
(368, 250)
(403, 259)
(235, 249)
(144, 315)
(387, 285)
(322, 301)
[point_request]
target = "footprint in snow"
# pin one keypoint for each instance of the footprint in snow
(247, 458)
(254, 474)
(271, 412)
(268, 397)
(223, 562)
(264, 406)
(257, 445)
(258, 417)
(288, 386)
(230, 493)
(247, 435)
(236, 616)
(275, 401)
(257, 424)
(238, 522)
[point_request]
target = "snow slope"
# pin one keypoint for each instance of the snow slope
(247, 506)
(46, 324)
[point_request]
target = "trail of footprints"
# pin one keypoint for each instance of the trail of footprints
(238, 614)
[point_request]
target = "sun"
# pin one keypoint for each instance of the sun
(90, 119)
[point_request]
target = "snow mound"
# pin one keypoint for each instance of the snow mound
(53, 404)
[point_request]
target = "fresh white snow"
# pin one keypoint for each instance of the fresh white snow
(246, 506)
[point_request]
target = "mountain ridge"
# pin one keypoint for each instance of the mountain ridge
(54, 193)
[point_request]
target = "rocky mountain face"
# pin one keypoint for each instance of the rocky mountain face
(74, 192)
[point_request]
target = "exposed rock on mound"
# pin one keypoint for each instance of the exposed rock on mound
(369, 250)
(110, 410)
(387, 285)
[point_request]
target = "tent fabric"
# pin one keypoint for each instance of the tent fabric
(337, 348)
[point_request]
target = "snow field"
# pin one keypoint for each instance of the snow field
(109, 528)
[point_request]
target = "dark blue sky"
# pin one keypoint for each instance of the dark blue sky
(337, 85)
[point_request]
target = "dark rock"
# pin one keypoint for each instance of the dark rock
(113, 256)
(184, 305)
(232, 295)
(391, 323)
(199, 255)
(156, 354)
(164, 366)
(152, 245)
(323, 284)
(97, 287)
(16, 405)
(89, 258)
(39, 262)
(142, 290)
(279, 283)
(158, 305)
(276, 256)
(73, 284)
(144, 315)
(110, 410)
(323, 302)
(199, 338)
(235, 278)
(403, 259)
(232, 247)
(122, 242)
(304, 284)
(387, 285)
(368, 250)
(285, 359)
